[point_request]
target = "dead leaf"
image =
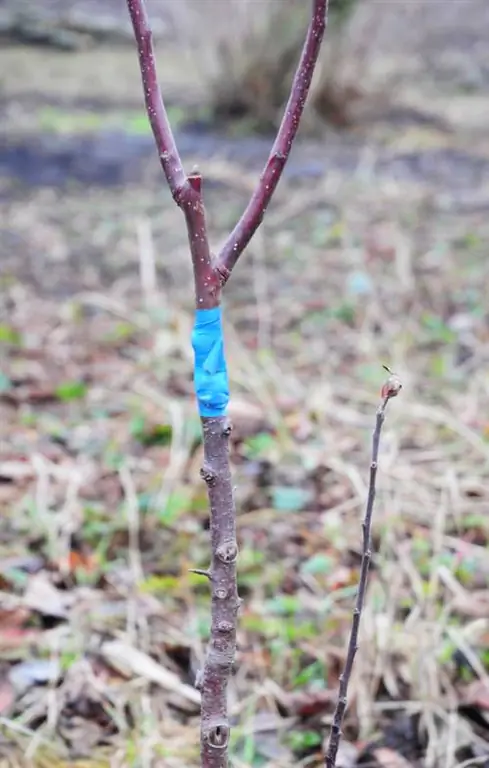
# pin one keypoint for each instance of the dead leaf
(82, 735)
(16, 616)
(7, 696)
(476, 694)
(341, 577)
(79, 561)
(306, 704)
(474, 604)
(28, 563)
(387, 758)
(16, 470)
(33, 672)
(247, 417)
(16, 641)
(43, 597)
(130, 661)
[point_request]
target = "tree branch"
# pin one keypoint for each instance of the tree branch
(255, 211)
(215, 728)
(186, 191)
(206, 279)
(391, 389)
(165, 142)
(210, 365)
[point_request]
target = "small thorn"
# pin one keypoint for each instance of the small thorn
(201, 572)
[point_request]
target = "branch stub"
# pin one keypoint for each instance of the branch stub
(227, 552)
(208, 475)
(218, 736)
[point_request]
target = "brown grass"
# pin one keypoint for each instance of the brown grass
(303, 407)
(103, 512)
(244, 53)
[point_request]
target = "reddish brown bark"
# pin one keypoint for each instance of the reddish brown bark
(391, 389)
(209, 276)
(255, 211)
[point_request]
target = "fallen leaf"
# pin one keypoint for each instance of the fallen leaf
(7, 696)
(267, 731)
(17, 640)
(387, 758)
(43, 597)
(16, 470)
(82, 735)
(474, 604)
(476, 694)
(341, 577)
(79, 561)
(247, 417)
(16, 616)
(33, 672)
(130, 661)
(28, 564)
(306, 704)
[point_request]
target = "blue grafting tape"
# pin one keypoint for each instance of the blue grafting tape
(210, 372)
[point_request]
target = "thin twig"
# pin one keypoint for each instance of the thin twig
(391, 389)
(258, 204)
(165, 142)
(186, 190)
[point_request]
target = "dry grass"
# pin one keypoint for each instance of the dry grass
(102, 627)
(245, 53)
(115, 515)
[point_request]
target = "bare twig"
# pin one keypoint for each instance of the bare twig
(255, 211)
(209, 277)
(186, 190)
(391, 389)
(165, 143)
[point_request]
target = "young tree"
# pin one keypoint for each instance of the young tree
(210, 373)
(211, 382)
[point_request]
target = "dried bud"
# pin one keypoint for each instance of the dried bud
(208, 475)
(391, 388)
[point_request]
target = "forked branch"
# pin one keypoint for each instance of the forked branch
(210, 366)
(272, 172)
(391, 389)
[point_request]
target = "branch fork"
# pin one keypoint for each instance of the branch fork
(210, 275)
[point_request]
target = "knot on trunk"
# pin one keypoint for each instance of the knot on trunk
(221, 592)
(227, 552)
(208, 475)
(224, 626)
(227, 428)
(217, 735)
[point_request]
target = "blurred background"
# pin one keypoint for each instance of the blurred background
(374, 251)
